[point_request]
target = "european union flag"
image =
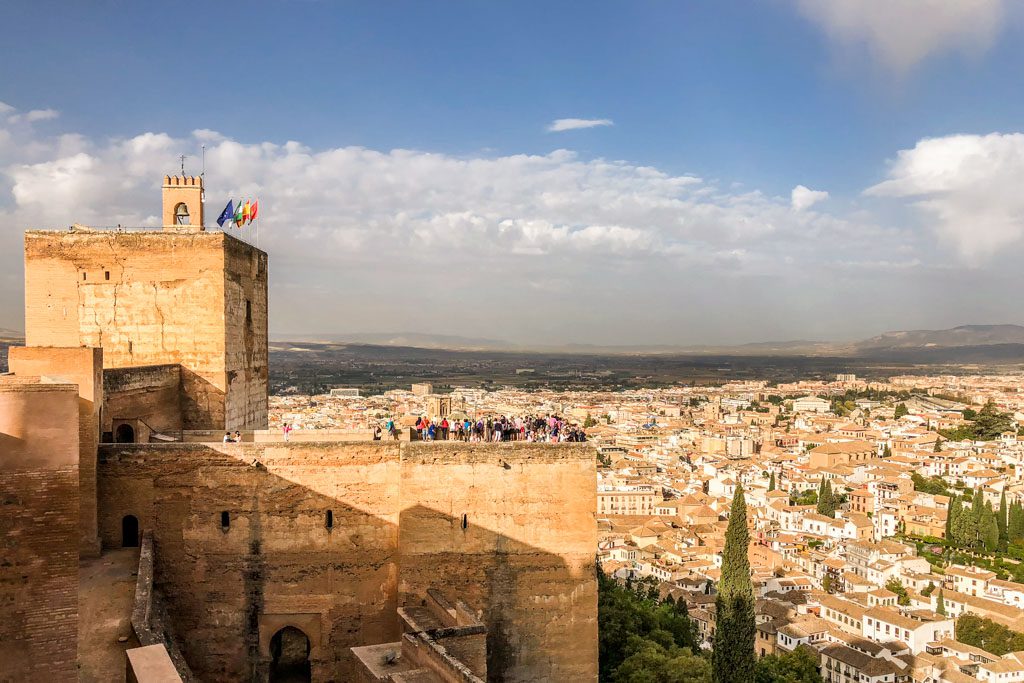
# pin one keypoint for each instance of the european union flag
(228, 214)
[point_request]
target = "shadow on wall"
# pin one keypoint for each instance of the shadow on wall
(319, 543)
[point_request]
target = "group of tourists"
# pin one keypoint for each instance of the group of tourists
(550, 429)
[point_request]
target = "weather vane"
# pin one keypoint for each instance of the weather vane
(182, 158)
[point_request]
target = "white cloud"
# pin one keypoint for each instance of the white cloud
(559, 125)
(967, 187)
(41, 115)
(804, 198)
(383, 240)
(5, 108)
(30, 116)
(901, 33)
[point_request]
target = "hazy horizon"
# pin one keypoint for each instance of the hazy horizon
(727, 174)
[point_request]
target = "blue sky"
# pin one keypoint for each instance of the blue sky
(746, 96)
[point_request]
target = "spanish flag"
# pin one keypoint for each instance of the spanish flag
(246, 217)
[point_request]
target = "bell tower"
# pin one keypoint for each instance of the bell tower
(183, 203)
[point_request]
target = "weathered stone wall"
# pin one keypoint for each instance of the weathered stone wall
(277, 562)
(39, 530)
(245, 293)
(84, 368)
(151, 298)
(151, 393)
(525, 557)
(510, 529)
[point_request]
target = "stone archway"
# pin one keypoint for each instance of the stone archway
(289, 651)
(124, 433)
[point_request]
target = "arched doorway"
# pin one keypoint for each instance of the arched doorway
(289, 651)
(130, 531)
(124, 433)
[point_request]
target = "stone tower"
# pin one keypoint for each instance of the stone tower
(183, 202)
(178, 296)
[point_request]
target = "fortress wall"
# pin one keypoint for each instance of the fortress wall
(146, 298)
(151, 393)
(229, 590)
(245, 293)
(84, 368)
(39, 534)
(526, 556)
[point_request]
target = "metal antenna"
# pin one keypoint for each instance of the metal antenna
(203, 174)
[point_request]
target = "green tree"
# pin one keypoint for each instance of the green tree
(648, 661)
(940, 604)
(589, 422)
(964, 529)
(631, 620)
(977, 515)
(827, 584)
(988, 635)
(989, 529)
(1001, 521)
(990, 423)
(901, 410)
(733, 656)
(886, 452)
(808, 497)
(951, 514)
(932, 485)
(826, 499)
(771, 482)
(896, 586)
(1015, 522)
(798, 666)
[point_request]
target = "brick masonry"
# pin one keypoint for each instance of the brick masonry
(39, 531)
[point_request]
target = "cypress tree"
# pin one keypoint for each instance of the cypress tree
(989, 529)
(951, 513)
(977, 516)
(771, 482)
(940, 605)
(1015, 523)
(733, 657)
(1001, 521)
(826, 501)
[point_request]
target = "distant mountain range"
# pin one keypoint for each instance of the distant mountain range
(967, 343)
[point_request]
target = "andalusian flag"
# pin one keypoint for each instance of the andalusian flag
(254, 209)
(246, 217)
(238, 215)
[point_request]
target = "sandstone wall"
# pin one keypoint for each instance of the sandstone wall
(151, 298)
(151, 393)
(525, 556)
(245, 293)
(510, 529)
(39, 530)
(84, 368)
(229, 590)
